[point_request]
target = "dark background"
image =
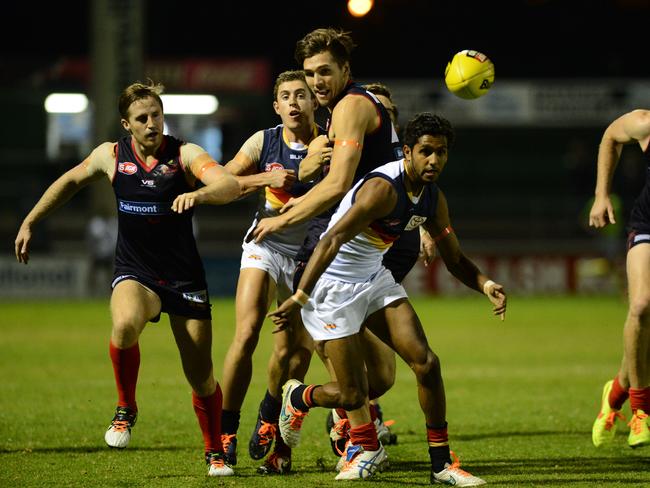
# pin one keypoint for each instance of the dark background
(512, 190)
(398, 38)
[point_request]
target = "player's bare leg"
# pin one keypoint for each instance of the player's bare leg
(254, 291)
(401, 328)
(132, 305)
(636, 336)
(194, 340)
(292, 351)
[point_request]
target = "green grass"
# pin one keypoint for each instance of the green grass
(522, 395)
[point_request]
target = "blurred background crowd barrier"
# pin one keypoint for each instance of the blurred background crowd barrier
(519, 180)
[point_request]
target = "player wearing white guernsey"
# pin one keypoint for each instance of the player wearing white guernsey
(350, 289)
(157, 266)
(267, 271)
(363, 138)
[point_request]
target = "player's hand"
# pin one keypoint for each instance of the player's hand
(292, 202)
(601, 213)
(427, 247)
(22, 243)
(281, 178)
(184, 202)
(321, 145)
(265, 227)
(281, 316)
(497, 296)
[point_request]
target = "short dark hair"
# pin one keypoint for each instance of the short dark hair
(427, 123)
(381, 89)
(138, 91)
(285, 76)
(336, 41)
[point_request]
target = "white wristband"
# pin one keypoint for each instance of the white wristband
(487, 285)
(300, 297)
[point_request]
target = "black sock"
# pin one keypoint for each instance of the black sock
(296, 398)
(230, 421)
(439, 456)
(270, 408)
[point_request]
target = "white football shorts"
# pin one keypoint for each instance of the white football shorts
(280, 267)
(337, 309)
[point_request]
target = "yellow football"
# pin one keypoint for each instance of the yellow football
(469, 74)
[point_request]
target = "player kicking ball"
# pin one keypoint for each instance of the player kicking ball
(350, 289)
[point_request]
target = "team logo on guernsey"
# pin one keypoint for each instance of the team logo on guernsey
(330, 326)
(415, 222)
(273, 166)
(166, 169)
(127, 167)
(200, 296)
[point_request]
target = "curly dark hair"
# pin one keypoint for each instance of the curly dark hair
(336, 41)
(428, 123)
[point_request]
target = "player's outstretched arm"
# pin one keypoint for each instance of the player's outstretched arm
(629, 128)
(459, 265)
(60, 192)
(220, 188)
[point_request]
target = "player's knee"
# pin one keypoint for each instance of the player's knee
(352, 398)
(281, 353)
(126, 330)
(640, 307)
(246, 341)
(428, 368)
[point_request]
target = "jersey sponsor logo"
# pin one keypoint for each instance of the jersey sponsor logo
(144, 208)
(273, 166)
(127, 167)
(295, 156)
(330, 326)
(149, 183)
(257, 257)
(200, 296)
(415, 222)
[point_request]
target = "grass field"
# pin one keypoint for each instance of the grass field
(522, 395)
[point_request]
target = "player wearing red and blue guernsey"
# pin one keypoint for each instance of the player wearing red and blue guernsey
(144, 196)
(158, 268)
(633, 378)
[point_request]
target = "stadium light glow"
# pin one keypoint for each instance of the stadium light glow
(359, 8)
(66, 103)
(74, 103)
(190, 104)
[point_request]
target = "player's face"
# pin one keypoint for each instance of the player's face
(428, 157)
(325, 77)
(145, 122)
(295, 105)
